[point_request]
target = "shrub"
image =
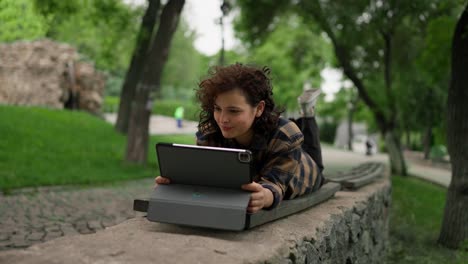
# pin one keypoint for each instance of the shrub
(438, 152)
(111, 104)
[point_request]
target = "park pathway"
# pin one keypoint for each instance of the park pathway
(162, 125)
(35, 215)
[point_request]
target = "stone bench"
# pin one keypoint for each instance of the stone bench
(351, 227)
(358, 176)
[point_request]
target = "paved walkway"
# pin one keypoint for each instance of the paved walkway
(163, 125)
(31, 216)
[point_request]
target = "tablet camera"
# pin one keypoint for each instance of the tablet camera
(244, 157)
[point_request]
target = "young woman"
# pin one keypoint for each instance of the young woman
(238, 111)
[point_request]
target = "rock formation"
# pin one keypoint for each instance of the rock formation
(50, 74)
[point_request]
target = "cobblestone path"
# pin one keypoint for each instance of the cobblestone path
(36, 216)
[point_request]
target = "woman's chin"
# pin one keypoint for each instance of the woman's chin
(227, 135)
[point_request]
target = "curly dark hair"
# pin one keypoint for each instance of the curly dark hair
(255, 84)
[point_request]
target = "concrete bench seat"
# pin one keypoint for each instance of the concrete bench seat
(358, 176)
(288, 207)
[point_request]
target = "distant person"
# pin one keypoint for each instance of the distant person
(369, 146)
(179, 116)
(238, 111)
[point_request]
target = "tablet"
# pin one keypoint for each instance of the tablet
(205, 166)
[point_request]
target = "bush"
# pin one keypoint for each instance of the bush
(114, 85)
(438, 152)
(111, 104)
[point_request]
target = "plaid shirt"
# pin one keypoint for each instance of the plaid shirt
(281, 164)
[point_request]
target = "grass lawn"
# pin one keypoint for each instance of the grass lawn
(41, 146)
(416, 217)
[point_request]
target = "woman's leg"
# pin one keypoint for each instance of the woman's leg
(309, 128)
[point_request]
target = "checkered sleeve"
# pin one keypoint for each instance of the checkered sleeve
(289, 171)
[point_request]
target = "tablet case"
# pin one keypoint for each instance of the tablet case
(284, 209)
(212, 207)
(205, 187)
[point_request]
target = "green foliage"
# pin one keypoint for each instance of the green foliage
(418, 35)
(114, 85)
(184, 66)
(431, 58)
(56, 147)
(19, 21)
(181, 72)
(253, 24)
(440, 134)
(103, 31)
(294, 60)
(438, 152)
(415, 221)
(338, 110)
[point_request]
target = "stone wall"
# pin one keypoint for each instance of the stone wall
(357, 235)
(47, 73)
(351, 227)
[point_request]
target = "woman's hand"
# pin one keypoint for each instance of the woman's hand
(161, 180)
(260, 198)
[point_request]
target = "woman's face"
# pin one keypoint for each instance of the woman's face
(235, 116)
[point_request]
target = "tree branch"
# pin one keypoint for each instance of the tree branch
(343, 57)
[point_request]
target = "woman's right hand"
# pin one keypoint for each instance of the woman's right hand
(161, 180)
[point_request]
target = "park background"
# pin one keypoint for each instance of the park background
(394, 59)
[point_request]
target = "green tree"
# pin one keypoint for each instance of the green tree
(426, 72)
(19, 21)
(364, 36)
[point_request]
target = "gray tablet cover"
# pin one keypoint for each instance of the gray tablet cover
(205, 187)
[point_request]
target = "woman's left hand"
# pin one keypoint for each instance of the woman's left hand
(260, 198)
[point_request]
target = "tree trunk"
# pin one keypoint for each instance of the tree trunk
(392, 140)
(407, 138)
(352, 108)
(427, 142)
(397, 160)
(350, 130)
(136, 65)
(137, 139)
(454, 229)
(428, 139)
(149, 83)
